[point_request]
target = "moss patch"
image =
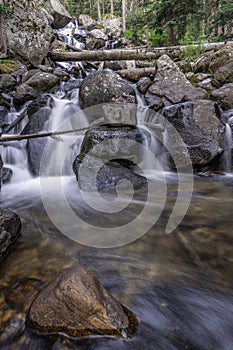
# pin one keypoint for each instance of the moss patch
(8, 66)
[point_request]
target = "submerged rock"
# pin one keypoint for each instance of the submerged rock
(9, 230)
(77, 304)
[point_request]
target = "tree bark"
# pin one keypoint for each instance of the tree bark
(3, 44)
(35, 136)
(129, 54)
(135, 74)
(111, 8)
(98, 10)
(124, 15)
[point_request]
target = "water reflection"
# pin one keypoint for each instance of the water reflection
(178, 284)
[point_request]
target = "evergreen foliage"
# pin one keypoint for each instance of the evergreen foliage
(165, 22)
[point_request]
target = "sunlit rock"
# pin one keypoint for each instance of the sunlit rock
(77, 304)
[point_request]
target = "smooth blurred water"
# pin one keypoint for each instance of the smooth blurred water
(179, 285)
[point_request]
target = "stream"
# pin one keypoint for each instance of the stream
(178, 284)
(179, 288)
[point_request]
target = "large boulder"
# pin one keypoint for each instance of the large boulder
(200, 129)
(224, 96)
(9, 230)
(29, 28)
(171, 85)
(76, 304)
(61, 16)
(221, 66)
(108, 155)
(104, 87)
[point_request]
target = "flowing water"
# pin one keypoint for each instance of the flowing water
(179, 285)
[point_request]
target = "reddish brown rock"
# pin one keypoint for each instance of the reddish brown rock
(77, 304)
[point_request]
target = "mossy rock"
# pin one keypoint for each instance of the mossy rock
(8, 66)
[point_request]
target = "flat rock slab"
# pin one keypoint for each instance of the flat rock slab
(76, 304)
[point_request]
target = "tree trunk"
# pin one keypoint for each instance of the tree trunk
(135, 74)
(129, 54)
(3, 45)
(98, 10)
(124, 15)
(170, 34)
(111, 8)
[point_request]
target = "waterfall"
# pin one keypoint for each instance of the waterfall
(227, 156)
(65, 115)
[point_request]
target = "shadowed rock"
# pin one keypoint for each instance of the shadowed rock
(77, 304)
(9, 230)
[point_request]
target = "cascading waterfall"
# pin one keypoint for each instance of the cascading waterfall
(65, 115)
(14, 154)
(227, 156)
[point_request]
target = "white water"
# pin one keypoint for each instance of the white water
(227, 156)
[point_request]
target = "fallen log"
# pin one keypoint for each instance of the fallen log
(135, 74)
(43, 134)
(130, 54)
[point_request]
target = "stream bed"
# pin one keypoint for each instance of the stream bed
(179, 285)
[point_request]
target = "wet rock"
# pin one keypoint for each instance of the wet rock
(95, 39)
(9, 230)
(34, 107)
(200, 129)
(105, 87)
(35, 150)
(29, 32)
(143, 84)
(108, 155)
(42, 81)
(155, 102)
(38, 113)
(3, 115)
(61, 16)
(21, 294)
(7, 82)
(224, 95)
(1, 165)
(6, 175)
(115, 141)
(24, 93)
(170, 83)
(77, 304)
(72, 84)
(93, 174)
